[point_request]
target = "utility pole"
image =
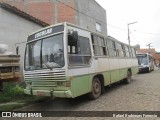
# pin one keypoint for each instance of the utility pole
(55, 11)
(149, 47)
(129, 31)
(128, 34)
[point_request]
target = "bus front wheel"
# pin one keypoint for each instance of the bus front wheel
(96, 88)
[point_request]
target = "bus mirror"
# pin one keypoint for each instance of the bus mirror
(17, 50)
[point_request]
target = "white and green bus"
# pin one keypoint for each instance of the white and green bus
(67, 61)
(145, 62)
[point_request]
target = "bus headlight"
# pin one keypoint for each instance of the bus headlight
(68, 84)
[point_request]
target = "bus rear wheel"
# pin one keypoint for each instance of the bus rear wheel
(96, 88)
(128, 79)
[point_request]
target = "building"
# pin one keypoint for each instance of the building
(152, 52)
(19, 18)
(85, 13)
(15, 26)
(157, 58)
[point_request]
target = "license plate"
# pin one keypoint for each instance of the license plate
(40, 93)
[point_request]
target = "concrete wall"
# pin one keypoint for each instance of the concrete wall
(95, 14)
(15, 29)
(44, 9)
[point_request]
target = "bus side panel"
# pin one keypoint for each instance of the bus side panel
(106, 78)
(79, 81)
(114, 76)
(114, 70)
(134, 70)
(129, 63)
(122, 68)
(133, 64)
(102, 67)
(123, 73)
(79, 85)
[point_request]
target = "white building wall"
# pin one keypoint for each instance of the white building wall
(15, 29)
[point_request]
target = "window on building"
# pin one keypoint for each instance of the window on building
(98, 27)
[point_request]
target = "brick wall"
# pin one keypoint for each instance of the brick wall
(44, 9)
(152, 51)
(84, 13)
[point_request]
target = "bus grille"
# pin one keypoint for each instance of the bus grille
(45, 79)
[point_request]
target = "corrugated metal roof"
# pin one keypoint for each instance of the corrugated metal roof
(18, 12)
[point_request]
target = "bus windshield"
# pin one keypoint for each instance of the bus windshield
(45, 53)
(142, 60)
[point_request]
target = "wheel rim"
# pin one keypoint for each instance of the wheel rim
(96, 88)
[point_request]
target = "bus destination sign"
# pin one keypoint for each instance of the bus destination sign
(46, 32)
(43, 33)
(142, 55)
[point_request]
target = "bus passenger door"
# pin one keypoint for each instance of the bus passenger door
(79, 56)
(100, 59)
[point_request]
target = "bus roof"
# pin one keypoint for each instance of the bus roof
(144, 54)
(72, 25)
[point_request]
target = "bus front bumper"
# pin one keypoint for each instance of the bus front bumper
(61, 94)
(143, 69)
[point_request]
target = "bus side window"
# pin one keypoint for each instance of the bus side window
(107, 52)
(120, 50)
(79, 52)
(133, 52)
(124, 52)
(99, 45)
(127, 51)
(130, 52)
(112, 48)
(72, 46)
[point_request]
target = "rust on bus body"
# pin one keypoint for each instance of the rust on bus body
(9, 68)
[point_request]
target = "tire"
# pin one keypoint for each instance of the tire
(96, 88)
(149, 70)
(129, 78)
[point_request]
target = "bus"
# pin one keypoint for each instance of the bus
(68, 61)
(145, 62)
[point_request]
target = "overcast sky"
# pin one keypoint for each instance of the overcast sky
(145, 12)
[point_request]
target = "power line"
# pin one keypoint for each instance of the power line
(147, 33)
(135, 38)
(117, 27)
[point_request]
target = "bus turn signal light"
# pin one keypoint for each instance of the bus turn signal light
(68, 84)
